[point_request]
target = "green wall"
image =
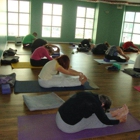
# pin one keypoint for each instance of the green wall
(107, 25)
(3, 26)
(68, 18)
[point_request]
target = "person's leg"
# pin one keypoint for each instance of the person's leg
(41, 62)
(85, 123)
(132, 49)
(60, 81)
(136, 69)
(109, 57)
(118, 59)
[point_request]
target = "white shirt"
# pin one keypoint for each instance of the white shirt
(137, 62)
(48, 70)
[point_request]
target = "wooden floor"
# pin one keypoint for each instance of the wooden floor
(117, 85)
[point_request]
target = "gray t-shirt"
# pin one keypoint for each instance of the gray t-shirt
(112, 51)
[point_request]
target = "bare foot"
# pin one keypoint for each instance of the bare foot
(120, 112)
(123, 112)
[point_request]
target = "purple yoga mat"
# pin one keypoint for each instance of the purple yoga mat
(43, 127)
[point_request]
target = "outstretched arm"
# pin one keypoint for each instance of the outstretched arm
(82, 77)
(122, 53)
(56, 49)
(69, 71)
(134, 46)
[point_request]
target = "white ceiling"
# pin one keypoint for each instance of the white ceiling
(126, 2)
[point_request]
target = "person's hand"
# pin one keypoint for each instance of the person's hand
(81, 75)
(127, 58)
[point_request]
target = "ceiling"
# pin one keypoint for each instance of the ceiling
(123, 2)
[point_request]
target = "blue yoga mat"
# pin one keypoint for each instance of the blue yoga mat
(101, 61)
(33, 86)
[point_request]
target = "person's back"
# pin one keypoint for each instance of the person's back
(37, 43)
(79, 106)
(48, 70)
(99, 48)
(112, 51)
(28, 39)
(86, 43)
(41, 52)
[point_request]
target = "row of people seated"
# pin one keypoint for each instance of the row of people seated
(112, 52)
(41, 50)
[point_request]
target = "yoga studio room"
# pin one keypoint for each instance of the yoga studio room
(69, 69)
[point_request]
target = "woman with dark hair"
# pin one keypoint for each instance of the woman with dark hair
(37, 57)
(48, 76)
(87, 110)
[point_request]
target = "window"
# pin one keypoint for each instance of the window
(84, 22)
(131, 27)
(18, 17)
(51, 20)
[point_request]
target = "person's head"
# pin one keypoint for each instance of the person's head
(35, 34)
(89, 39)
(49, 48)
(64, 61)
(106, 43)
(106, 102)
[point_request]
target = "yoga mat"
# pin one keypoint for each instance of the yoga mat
(101, 61)
(43, 102)
(33, 86)
(137, 88)
(20, 65)
(131, 72)
(42, 127)
(23, 53)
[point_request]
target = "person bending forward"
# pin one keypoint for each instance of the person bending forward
(48, 76)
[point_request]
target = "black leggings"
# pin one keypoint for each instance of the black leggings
(137, 69)
(117, 58)
(41, 62)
